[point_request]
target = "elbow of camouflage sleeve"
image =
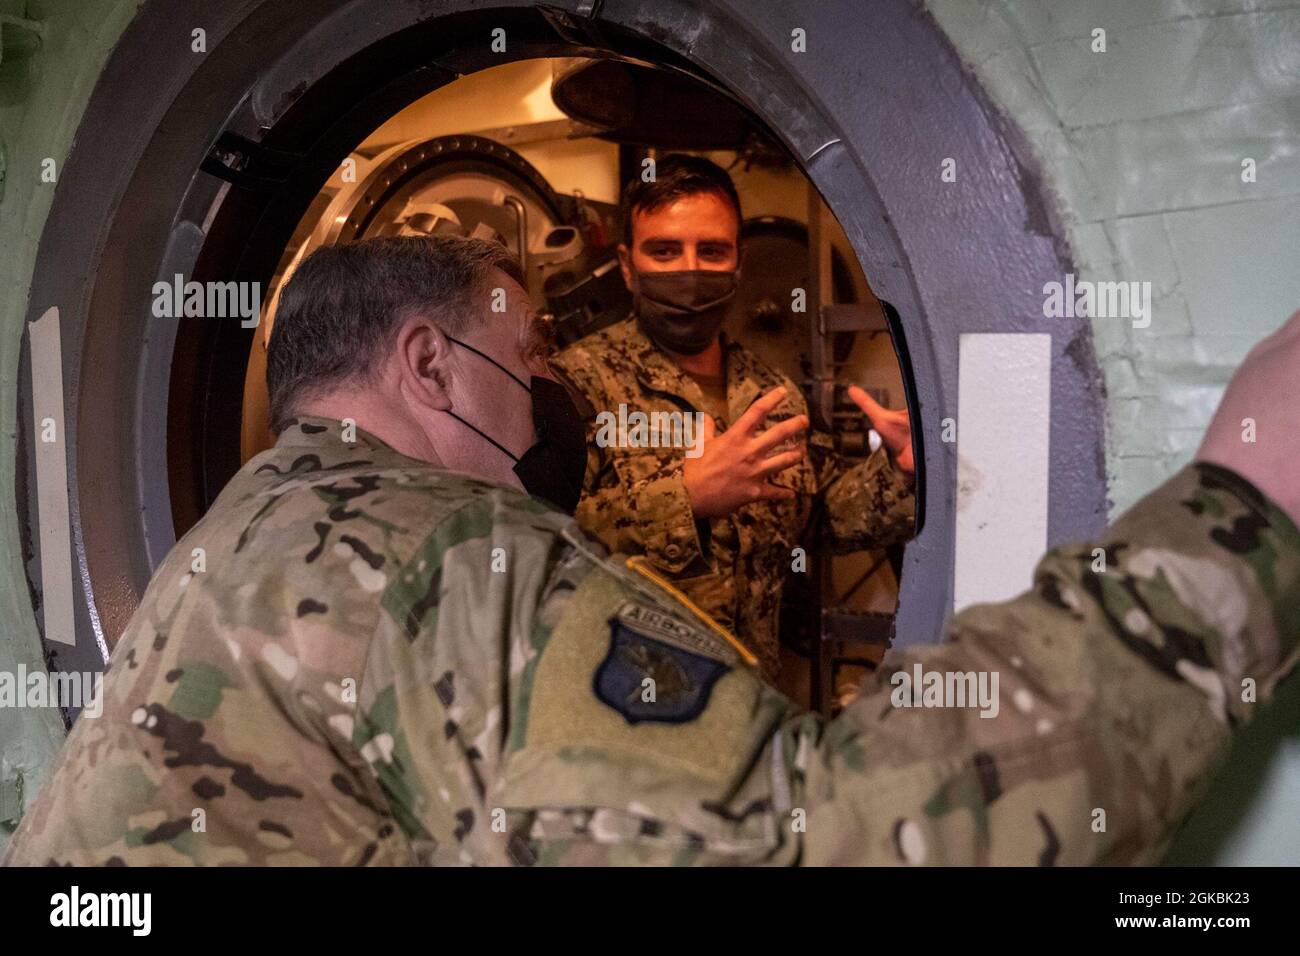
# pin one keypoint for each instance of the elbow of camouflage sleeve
(1201, 579)
(1123, 672)
(870, 505)
(668, 529)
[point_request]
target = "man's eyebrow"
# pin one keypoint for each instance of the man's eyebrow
(704, 241)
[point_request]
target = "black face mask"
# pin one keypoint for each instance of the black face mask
(683, 311)
(553, 468)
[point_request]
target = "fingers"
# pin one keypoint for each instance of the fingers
(757, 412)
(870, 407)
(778, 433)
(769, 492)
(879, 414)
(778, 463)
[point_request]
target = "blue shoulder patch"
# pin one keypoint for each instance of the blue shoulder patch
(657, 678)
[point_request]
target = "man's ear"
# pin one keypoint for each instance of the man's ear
(423, 356)
(625, 264)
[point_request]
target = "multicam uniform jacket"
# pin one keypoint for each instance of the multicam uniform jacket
(733, 568)
(386, 663)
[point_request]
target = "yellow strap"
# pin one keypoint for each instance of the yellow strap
(640, 564)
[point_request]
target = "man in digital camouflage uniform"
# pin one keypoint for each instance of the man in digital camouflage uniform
(722, 526)
(389, 662)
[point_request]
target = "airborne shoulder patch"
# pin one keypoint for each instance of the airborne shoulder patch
(658, 669)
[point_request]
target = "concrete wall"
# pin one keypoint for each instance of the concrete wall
(1142, 146)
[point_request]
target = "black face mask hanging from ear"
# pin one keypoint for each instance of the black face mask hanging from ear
(553, 468)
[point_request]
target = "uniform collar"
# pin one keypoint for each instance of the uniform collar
(314, 431)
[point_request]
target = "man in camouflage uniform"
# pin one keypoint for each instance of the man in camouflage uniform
(388, 662)
(721, 526)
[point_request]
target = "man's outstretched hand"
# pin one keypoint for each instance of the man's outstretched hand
(735, 467)
(1256, 431)
(894, 428)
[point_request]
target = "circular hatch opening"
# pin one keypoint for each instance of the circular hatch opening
(546, 185)
(206, 168)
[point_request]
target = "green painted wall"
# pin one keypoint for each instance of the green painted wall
(1142, 146)
(51, 52)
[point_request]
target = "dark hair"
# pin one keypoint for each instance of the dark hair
(342, 307)
(676, 175)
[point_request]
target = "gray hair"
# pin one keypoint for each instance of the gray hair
(337, 316)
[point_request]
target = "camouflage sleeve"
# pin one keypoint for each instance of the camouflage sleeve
(869, 502)
(433, 709)
(1071, 725)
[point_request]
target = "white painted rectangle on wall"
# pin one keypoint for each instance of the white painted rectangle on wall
(1004, 401)
(52, 478)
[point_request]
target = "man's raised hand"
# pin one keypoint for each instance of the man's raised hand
(1256, 430)
(735, 467)
(893, 427)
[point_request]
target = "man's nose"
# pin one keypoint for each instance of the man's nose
(690, 261)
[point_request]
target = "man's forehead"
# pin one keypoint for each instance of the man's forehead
(700, 216)
(519, 303)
